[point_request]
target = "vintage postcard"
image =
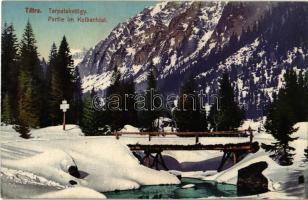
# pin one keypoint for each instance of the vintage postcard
(154, 99)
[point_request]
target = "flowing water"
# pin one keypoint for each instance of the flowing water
(188, 188)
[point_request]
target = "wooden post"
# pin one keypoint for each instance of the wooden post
(149, 137)
(197, 139)
(234, 158)
(250, 135)
(64, 106)
(64, 121)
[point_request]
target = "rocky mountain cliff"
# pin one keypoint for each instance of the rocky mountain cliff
(254, 41)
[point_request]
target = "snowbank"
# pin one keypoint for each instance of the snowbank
(52, 164)
(7, 133)
(104, 163)
(230, 175)
(281, 178)
(74, 192)
(54, 132)
(254, 125)
(129, 128)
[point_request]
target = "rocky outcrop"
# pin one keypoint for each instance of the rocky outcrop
(251, 180)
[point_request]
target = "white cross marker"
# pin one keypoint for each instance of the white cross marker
(64, 107)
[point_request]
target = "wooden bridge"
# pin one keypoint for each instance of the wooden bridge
(234, 150)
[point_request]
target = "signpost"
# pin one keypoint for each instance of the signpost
(64, 106)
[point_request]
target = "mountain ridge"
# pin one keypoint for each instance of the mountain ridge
(254, 41)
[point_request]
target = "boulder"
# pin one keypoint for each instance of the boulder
(251, 180)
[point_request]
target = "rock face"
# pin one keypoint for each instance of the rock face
(251, 180)
(254, 41)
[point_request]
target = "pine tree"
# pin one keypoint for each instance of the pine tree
(63, 83)
(6, 116)
(65, 69)
(77, 96)
(151, 113)
(114, 93)
(281, 118)
(56, 93)
(29, 81)
(226, 115)
(189, 115)
(88, 122)
(9, 68)
(130, 113)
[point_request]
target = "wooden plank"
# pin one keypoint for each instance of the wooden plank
(155, 147)
(245, 133)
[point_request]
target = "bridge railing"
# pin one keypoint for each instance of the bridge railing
(243, 133)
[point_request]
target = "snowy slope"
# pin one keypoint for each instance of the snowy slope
(104, 163)
(170, 34)
(192, 38)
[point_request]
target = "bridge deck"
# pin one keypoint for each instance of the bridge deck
(230, 142)
(185, 138)
(220, 147)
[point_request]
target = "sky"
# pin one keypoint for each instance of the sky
(79, 35)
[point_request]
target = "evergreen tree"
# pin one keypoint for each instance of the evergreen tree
(281, 118)
(6, 116)
(29, 81)
(151, 113)
(45, 115)
(65, 68)
(56, 93)
(9, 68)
(88, 122)
(77, 96)
(129, 112)
(114, 94)
(226, 115)
(189, 115)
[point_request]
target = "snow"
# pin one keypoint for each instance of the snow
(74, 192)
(173, 60)
(136, 68)
(241, 55)
(103, 171)
(281, 178)
(156, 60)
(195, 156)
(50, 157)
(131, 51)
(230, 175)
(158, 8)
(254, 125)
(173, 139)
(302, 131)
(51, 164)
(22, 177)
(188, 186)
(101, 81)
(172, 42)
(129, 128)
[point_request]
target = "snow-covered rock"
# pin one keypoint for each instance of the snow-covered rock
(130, 128)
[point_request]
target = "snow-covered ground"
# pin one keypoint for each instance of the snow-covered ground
(283, 180)
(39, 167)
(105, 164)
